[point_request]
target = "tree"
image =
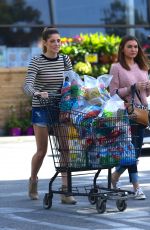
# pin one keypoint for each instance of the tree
(18, 14)
(116, 15)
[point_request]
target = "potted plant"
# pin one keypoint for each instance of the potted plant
(19, 120)
(109, 49)
(83, 68)
(26, 127)
(25, 116)
(13, 124)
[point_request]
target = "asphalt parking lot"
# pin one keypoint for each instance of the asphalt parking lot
(19, 213)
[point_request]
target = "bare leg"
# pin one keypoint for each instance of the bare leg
(41, 135)
(62, 136)
(116, 175)
(114, 179)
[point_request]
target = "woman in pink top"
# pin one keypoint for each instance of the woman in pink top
(131, 68)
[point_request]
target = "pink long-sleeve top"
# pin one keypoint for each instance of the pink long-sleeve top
(123, 78)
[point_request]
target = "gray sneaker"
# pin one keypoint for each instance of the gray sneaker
(139, 195)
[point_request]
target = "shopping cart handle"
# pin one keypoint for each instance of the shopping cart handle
(38, 96)
(54, 94)
(49, 95)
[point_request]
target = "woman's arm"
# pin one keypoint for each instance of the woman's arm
(67, 62)
(31, 76)
(115, 83)
(148, 86)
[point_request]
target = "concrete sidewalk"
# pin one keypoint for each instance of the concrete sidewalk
(16, 154)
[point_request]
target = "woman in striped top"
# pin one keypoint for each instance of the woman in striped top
(44, 76)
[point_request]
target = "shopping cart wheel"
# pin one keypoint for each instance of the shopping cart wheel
(101, 205)
(121, 205)
(47, 200)
(91, 197)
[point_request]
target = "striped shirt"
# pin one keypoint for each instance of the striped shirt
(45, 74)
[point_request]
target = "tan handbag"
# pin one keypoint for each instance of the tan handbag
(139, 114)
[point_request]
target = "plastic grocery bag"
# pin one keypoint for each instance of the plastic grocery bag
(97, 88)
(113, 107)
(72, 91)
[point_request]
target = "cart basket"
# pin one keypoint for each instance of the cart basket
(80, 142)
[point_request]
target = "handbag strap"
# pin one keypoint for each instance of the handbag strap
(65, 62)
(133, 92)
(138, 95)
(120, 96)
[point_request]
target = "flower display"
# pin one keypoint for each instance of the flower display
(83, 45)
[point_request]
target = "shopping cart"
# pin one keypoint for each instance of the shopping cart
(82, 143)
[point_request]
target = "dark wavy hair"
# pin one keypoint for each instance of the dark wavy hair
(47, 32)
(141, 59)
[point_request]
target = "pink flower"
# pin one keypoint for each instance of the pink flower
(78, 39)
(146, 48)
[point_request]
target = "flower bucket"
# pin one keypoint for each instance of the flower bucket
(104, 58)
(29, 131)
(15, 131)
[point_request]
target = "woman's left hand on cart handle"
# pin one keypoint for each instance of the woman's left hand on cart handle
(42, 94)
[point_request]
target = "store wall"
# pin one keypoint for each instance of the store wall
(11, 91)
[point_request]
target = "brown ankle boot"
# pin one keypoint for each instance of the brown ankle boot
(33, 194)
(65, 199)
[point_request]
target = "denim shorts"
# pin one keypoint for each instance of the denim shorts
(44, 116)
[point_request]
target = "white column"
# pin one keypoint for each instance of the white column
(131, 16)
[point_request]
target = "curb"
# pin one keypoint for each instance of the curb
(17, 139)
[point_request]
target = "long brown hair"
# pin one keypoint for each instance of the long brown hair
(47, 32)
(141, 59)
